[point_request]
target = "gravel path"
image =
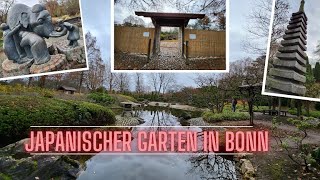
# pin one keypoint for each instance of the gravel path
(168, 59)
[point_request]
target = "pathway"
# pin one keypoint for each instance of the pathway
(168, 59)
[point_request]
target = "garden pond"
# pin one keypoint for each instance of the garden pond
(159, 167)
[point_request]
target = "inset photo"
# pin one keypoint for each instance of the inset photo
(40, 38)
(293, 60)
(171, 35)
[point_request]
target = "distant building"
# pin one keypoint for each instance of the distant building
(66, 89)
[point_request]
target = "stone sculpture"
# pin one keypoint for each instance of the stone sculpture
(74, 34)
(288, 72)
(8, 42)
(24, 41)
(35, 25)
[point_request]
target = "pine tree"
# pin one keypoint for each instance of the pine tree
(316, 72)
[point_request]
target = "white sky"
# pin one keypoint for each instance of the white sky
(28, 2)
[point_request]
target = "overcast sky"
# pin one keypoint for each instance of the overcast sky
(96, 16)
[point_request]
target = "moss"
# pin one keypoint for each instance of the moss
(276, 169)
(70, 161)
(5, 177)
(35, 164)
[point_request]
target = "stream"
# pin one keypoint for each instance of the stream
(158, 167)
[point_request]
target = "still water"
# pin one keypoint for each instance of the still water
(158, 167)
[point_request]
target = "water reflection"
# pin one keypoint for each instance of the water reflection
(158, 167)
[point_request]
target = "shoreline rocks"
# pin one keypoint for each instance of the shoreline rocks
(17, 164)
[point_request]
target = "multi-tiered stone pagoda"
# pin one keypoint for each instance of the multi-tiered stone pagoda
(287, 76)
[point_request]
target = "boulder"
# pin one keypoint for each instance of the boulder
(17, 164)
(246, 169)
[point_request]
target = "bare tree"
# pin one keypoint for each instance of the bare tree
(123, 82)
(161, 82)
(139, 83)
(215, 9)
(259, 24)
(94, 77)
(110, 79)
(5, 5)
(133, 21)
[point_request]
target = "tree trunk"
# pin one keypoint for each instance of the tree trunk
(30, 81)
(251, 111)
(307, 104)
(279, 106)
(80, 82)
(299, 110)
(270, 102)
(42, 81)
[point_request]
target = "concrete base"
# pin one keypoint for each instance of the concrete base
(57, 62)
(10, 69)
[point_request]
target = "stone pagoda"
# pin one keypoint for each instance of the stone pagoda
(287, 76)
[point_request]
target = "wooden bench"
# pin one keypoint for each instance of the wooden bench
(275, 112)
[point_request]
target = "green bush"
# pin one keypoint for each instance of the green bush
(316, 154)
(229, 116)
(317, 106)
(101, 98)
(140, 99)
(315, 114)
(18, 113)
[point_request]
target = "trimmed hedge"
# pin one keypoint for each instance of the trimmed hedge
(18, 113)
(101, 98)
(315, 114)
(228, 116)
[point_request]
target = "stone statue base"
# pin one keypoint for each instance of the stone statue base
(10, 69)
(63, 57)
(73, 54)
(56, 63)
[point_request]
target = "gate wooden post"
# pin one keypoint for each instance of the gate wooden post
(149, 48)
(187, 53)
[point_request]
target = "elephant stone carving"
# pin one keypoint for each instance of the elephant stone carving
(25, 31)
(8, 42)
(25, 46)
